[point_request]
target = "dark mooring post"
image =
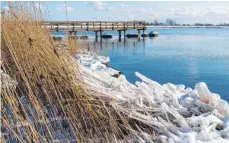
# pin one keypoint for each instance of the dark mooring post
(87, 26)
(124, 35)
(100, 30)
(57, 26)
(96, 36)
(139, 34)
(124, 32)
(119, 35)
(73, 27)
(100, 35)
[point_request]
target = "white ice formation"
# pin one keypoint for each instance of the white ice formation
(178, 114)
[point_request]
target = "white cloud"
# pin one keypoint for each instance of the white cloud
(111, 8)
(64, 8)
(142, 14)
(99, 5)
(184, 11)
(217, 11)
(199, 12)
(124, 6)
(152, 13)
(143, 10)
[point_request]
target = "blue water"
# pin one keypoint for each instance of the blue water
(179, 55)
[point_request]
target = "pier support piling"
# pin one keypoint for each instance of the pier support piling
(100, 35)
(119, 35)
(96, 35)
(139, 35)
(124, 35)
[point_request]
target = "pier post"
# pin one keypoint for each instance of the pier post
(100, 29)
(134, 24)
(112, 26)
(100, 35)
(124, 32)
(96, 36)
(87, 26)
(125, 35)
(73, 26)
(119, 35)
(139, 34)
(57, 26)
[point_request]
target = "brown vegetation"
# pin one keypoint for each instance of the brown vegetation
(50, 101)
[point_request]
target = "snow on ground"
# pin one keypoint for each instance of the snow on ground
(178, 114)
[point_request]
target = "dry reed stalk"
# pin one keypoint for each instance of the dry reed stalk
(49, 87)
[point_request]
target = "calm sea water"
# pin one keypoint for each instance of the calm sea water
(179, 55)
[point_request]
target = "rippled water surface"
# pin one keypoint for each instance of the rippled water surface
(179, 55)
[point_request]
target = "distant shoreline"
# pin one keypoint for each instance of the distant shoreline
(150, 26)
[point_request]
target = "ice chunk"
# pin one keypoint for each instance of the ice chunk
(214, 99)
(170, 86)
(223, 108)
(181, 87)
(203, 91)
(188, 89)
(203, 136)
(147, 80)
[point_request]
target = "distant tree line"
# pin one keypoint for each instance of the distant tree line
(171, 22)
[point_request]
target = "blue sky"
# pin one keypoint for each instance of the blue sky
(182, 12)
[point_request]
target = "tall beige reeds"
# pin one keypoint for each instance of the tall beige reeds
(49, 102)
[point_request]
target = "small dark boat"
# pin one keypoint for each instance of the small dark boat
(57, 38)
(153, 34)
(106, 35)
(145, 35)
(130, 35)
(84, 37)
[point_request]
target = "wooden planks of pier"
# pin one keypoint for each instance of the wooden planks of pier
(75, 26)
(97, 26)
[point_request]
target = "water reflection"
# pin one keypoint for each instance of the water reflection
(131, 44)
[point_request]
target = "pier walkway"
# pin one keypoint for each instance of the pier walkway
(97, 26)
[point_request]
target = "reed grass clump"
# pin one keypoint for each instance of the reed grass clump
(49, 101)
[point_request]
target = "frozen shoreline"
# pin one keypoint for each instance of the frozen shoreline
(176, 113)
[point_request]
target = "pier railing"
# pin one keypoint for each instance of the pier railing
(74, 26)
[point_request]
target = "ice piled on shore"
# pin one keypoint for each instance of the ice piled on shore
(177, 114)
(94, 62)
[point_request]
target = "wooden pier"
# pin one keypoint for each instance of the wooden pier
(97, 26)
